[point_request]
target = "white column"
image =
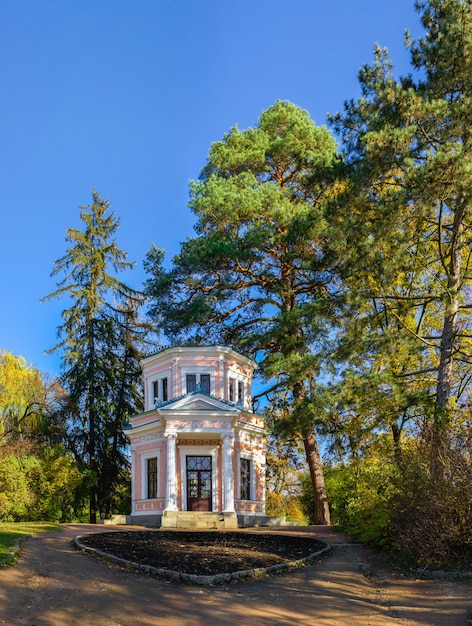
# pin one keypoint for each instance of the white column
(228, 478)
(171, 479)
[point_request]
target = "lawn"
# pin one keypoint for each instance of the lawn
(11, 534)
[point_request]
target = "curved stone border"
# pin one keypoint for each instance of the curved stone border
(196, 579)
(442, 574)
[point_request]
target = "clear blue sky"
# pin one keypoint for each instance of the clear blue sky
(126, 96)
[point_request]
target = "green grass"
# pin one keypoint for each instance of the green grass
(11, 534)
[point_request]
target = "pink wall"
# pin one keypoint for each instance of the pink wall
(220, 363)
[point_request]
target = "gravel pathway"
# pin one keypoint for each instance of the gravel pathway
(55, 585)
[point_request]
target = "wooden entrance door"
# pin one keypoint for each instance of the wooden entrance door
(199, 483)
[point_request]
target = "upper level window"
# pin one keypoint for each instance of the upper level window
(240, 391)
(192, 380)
(205, 382)
(236, 390)
(160, 390)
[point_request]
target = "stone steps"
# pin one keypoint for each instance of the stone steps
(196, 520)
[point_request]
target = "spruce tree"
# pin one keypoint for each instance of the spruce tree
(100, 341)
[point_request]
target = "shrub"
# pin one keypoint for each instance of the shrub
(16, 496)
(431, 522)
(424, 519)
(37, 485)
(285, 505)
(359, 495)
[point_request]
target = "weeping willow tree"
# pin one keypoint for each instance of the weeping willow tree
(23, 398)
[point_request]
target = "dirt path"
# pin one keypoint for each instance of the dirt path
(54, 585)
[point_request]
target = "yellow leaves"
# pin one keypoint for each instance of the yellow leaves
(13, 371)
(372, 283)
(21, 387)
(336, 189)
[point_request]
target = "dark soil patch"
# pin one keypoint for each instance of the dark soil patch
(204, 553)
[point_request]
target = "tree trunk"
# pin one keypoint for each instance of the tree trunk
(93, 467)
(448, 340)
(93, 505)
(397, 446)
(321, 508)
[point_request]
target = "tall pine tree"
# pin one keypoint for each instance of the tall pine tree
(409, 145)
(259, 274)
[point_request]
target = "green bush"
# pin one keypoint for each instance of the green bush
(284, 505)
(38, 485)
(55, 486)
(359, 496)
(431, 523)
(16, 496)
(424, 519)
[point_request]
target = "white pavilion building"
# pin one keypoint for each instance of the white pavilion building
(198, 450)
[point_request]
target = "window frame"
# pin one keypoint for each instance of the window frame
(246, 479)
(236, 388)
(152, 475)
(198, 372)
(156, 382)
(152, 454)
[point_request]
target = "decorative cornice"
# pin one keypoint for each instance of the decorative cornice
(194, 425)
(195, 344)
(204, 347)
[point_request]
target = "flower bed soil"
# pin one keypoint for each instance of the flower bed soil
(204, 553)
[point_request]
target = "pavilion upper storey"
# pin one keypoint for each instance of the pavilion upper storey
(216, 370)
